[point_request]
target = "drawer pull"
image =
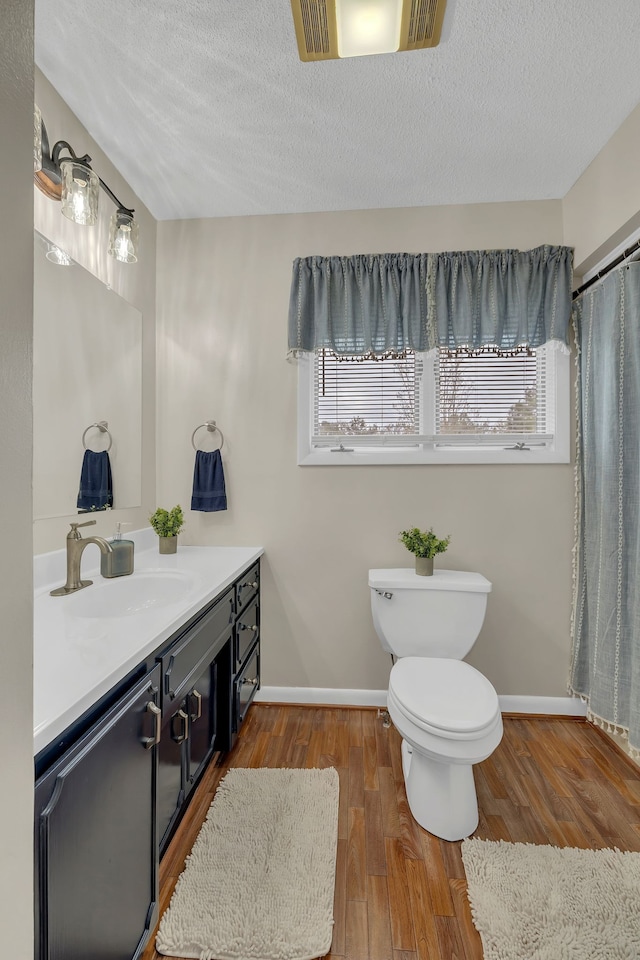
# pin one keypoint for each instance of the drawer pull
(249, 583)
(251, 683)
(184, 722)
(243, 626)
(157, 720)
(198, 711)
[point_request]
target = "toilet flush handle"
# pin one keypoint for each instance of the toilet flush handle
(384, 594)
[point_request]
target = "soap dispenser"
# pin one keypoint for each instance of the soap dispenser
(118, 563)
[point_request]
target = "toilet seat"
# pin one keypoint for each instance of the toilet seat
(445, 698)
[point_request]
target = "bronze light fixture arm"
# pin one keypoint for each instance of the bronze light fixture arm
(63, 145)
(112, 196)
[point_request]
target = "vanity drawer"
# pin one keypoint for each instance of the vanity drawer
(245, 687)
(181, 662)
(247, 586)
(247, 631)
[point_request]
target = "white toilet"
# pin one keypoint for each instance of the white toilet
(445, 710)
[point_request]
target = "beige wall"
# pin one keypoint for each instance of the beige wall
(223, 289)
(16, 291)
(134, 282)
(603, 207)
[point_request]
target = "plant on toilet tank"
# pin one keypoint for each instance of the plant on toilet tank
(425, 545)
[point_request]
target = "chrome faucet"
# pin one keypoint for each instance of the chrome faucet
(75, 549)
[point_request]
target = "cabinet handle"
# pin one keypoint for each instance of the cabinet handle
(243, 626)
(252, 683)
(252, 583)
(197, 696)
(157, 719)
(184, 719)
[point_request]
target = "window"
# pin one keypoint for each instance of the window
(466, 407)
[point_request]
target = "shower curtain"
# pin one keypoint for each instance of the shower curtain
(605, 663)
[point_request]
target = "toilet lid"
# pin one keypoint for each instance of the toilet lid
(449, 695)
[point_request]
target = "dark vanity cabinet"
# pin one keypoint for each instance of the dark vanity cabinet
(210, 676)
(112, 788)
(246, 648)
(96, 869)
(195, 704)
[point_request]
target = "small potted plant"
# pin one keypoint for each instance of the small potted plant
(425, 545)
(167, 524)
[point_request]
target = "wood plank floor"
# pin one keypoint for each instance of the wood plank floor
(401, 893)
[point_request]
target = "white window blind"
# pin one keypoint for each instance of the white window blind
(366, 397)
(489, 393)
(473, 407)
(479, 393)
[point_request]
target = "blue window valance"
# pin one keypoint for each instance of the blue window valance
(381, 303)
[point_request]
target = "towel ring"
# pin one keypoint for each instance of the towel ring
(103, 427)
(211, 427)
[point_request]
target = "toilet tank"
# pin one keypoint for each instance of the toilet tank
(438, 616)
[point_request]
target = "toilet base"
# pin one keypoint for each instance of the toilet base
(442, 796)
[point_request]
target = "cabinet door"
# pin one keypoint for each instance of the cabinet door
(246, 685)
(202, 720)
(247, 632)
(96, 844)
(171, 765)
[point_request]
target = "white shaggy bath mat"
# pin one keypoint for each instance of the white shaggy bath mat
(259, 882)
(546, 903)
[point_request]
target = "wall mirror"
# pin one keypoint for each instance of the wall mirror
(87, 368)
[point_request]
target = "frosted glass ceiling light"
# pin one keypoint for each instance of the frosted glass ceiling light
(70, 178)
(333, 29)
(368, 26)
(80, 187)
(123, 237)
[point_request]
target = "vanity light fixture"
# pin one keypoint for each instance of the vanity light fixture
(335, 29)
(57, 255)
(37, 139)
(62, 175)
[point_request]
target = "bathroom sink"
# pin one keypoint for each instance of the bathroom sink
(128, 596)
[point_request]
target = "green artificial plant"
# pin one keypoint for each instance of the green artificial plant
(167, 523)
(424, 543)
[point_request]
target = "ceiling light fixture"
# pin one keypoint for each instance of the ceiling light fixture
(71, 180)
(335, 29)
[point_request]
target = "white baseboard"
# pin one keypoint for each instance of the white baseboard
(561, 706)
(328, 695)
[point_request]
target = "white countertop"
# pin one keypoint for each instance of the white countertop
(79, 659)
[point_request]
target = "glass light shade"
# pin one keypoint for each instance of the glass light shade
(56, 255)
(80, 189)
(368, 26)
(37, 138)
(123, 237)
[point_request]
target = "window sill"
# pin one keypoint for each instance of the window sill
(371, 456)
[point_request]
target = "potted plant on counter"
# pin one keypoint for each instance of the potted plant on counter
(167, 524)
(425, 545)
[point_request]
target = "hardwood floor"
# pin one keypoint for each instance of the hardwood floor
(400, 892)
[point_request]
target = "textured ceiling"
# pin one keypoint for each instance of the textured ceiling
(207, 111)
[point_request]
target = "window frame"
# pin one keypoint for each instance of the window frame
(390, 451)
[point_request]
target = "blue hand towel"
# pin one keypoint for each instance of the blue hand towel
(96, 484)
(208, 482)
